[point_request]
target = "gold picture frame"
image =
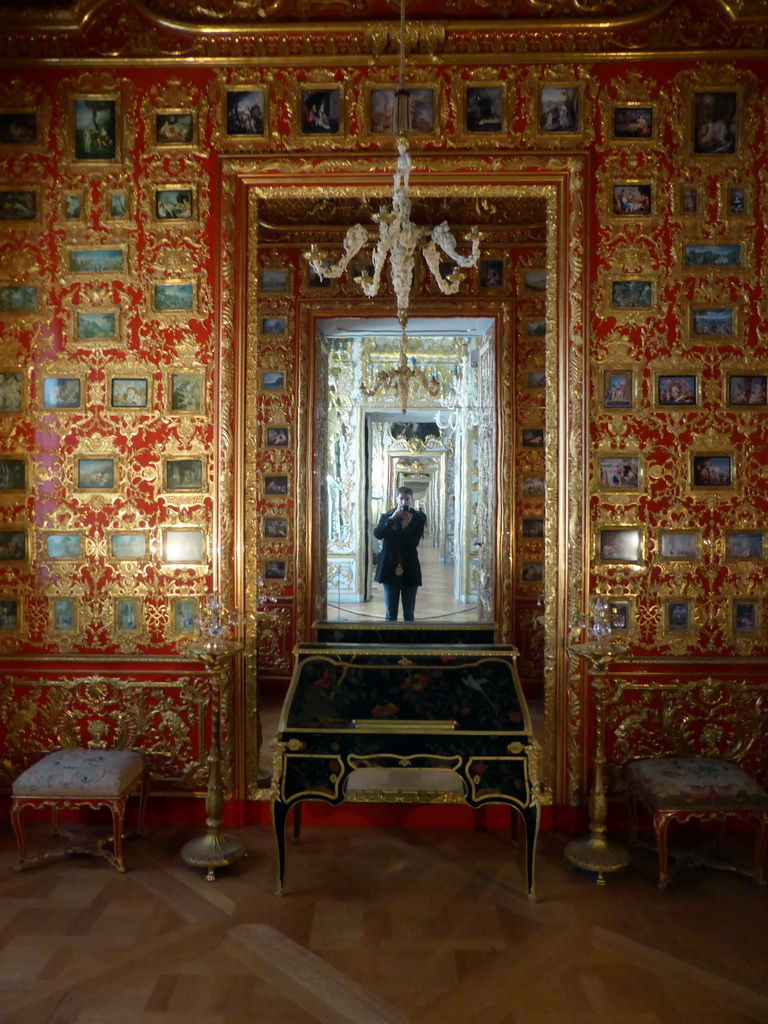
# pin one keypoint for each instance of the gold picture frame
(631, 122)
(62, 546)
(63, 390)
(185, 391)
(620, 545)
(15, 544)
(183, 615)
(245, 116)
(175, 128)
(21, 205)
(12, 617)
(63, 615)
(109, 261)
(677, 616)
(117, 207)
(128, 615)
(746, 617)
(706, 322)
(618, 388)
(172, 298)
(175, 205)
(128, 545)
(21, 301)
(96, 473)
(184, 474)
(130, 391)
(14, 391)
(95, 130)
(619, 472)
(713, 472)
(96, 326)
(15, 478)
(679, 545)
(184, 546)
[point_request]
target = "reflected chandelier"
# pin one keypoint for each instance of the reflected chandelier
(399, 239)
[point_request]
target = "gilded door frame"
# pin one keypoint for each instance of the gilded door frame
(560, 180)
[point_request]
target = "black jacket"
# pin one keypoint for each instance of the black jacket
(398, 547)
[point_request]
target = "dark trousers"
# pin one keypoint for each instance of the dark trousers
(393, 592)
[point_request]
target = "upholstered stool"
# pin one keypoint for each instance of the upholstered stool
(697, 788)
(81, 778)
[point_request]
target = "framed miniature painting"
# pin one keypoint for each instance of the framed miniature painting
(181, 475)
(677, 615)
(95, 326)
(708, 323)
(275, 570)
(618, 388)
(632, 199)
(274, 280)
(674, 390)
(532, 528)
(689, 200)
(64, 547)
(19, 129)
(633, 122)
(709, 255)
(679, 545)
(174, 297)
(272, 380)
(175, 129)
(621, 613)
(244, 111)
(534, 282)
(532, 437)
(712, 472)
(184, 613)
(186, 393)
(72, 206)
(421, 110)
(117, 205)
(278, 437)
(715, 122)
(11, 614)
(273, 325)
(535, 327)
(11, 392)
(19, 206)
(320, 108)
(129, 392)
(744, 546)
(183, 546)
(745, 616)
(535, 379)
(533, 486)
(96, 127)
(175, 203)
(750, 390)
(532, 572)
(735, 200)
(275, 527)
(491, 275)
(559, 109)
(64, 614)
(620, 544)
(484, 108)
(128, 614)
(13, 545)
(618, 472)
(128, 546)
(19, 299)
(13, 475)
(276, 485)
(631, 293)
(101, 261)
(95, 474)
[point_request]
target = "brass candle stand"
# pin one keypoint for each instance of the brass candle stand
(216, 849)
(598, 853)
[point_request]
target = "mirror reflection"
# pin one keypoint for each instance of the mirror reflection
(441, 449)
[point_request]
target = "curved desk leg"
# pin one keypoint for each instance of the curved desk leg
(279, 818)
(530, 817)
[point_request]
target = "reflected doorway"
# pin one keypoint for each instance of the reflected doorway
(441, 447)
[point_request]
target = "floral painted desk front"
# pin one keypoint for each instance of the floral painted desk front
(460, 709)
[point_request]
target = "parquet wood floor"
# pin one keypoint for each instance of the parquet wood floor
(378, 926)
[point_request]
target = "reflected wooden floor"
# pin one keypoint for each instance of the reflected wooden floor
(434, 601)
(378, 926)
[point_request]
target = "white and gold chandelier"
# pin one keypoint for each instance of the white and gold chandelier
(399, 239)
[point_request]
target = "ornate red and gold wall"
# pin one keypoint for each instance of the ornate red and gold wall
(143, 153)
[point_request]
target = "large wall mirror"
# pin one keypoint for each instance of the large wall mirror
(441, 447)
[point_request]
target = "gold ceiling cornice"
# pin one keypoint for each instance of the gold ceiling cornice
(308, 32)
(223, 16)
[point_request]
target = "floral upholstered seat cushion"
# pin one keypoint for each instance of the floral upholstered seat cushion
(675, 783)
(70, 774)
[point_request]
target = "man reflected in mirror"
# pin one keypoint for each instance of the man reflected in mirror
(397, 568)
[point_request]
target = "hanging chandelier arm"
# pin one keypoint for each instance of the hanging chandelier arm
(354, 240)
(442, 236)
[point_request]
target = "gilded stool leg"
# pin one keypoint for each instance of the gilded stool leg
(660, 824)
(117, 807)
(18, 828)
